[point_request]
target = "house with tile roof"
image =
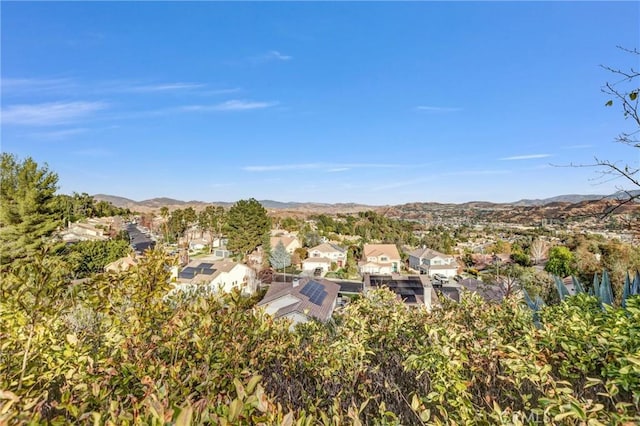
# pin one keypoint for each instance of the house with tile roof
(84, 231)
(321, 256)
(301, 300)
(380, 259)
(123, 264)
(215, 275)
(431, 262)
(290, 242)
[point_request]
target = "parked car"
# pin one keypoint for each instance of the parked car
(458, 278)
(441, 278)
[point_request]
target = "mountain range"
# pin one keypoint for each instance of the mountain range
(156, 203)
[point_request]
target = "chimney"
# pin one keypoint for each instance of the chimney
(295, 282)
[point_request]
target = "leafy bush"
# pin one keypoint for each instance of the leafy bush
(116, 350)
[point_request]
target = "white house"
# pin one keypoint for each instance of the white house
(316, 263)
(79, 231)
(321, 256)
(380, 259)
(198, 244)
(331, 251)
(290, 242)
(301, 299)
(221, 275)
(431, 262)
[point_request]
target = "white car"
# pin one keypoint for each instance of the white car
(441, 278)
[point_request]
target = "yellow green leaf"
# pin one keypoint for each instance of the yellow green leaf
(184, 418)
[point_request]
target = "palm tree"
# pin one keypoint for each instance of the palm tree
(164, 212)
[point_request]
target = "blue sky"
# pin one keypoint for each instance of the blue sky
(378, 103)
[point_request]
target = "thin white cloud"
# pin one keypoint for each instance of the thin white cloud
(165, 87)
(232, 105)
(270, 56)
(274, 54)
(427, 108)
(49, 114)
(59, 134)
(525, 157)
(38, 85)
(18, 86)
(328, 166)
(240, 105)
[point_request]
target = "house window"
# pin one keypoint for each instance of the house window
(384, 259)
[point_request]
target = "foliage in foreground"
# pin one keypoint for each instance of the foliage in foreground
(116, 351)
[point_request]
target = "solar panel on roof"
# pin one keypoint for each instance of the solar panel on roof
(318, 298)
(205, 265)
(187, 272)
(315, 292)
(311, 287)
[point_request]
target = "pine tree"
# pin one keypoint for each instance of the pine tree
(27, 216)
(248, 227)
(280, 258)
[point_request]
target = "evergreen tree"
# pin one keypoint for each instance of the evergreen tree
(280, 258)
(248, 227)
(89, 257)
(27, 216)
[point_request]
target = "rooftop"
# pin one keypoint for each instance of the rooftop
(409, 288)
(315, 297)
(389, 250)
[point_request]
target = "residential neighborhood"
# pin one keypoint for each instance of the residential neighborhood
(317, 213)
(344, 264)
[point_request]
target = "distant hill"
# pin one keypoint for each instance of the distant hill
(574, 198)
(569, 198)
(164, 201)
(171, 203)
(416, 208)
(115, 200)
